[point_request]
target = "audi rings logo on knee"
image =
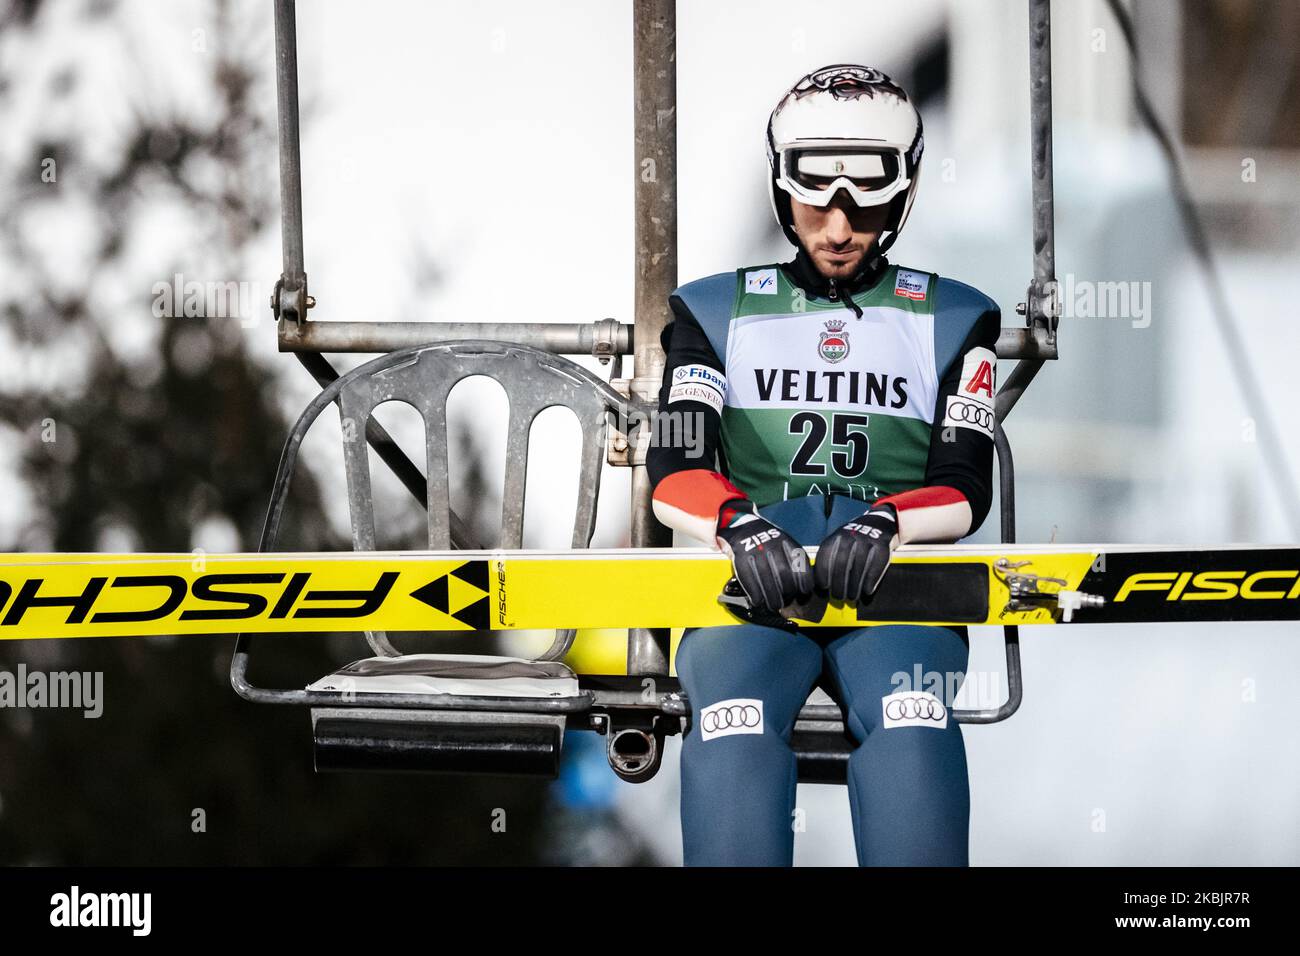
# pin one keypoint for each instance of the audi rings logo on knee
(967, 414)
(740, 715)
(913, 709)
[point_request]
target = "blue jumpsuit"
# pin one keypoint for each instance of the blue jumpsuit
(908, 793)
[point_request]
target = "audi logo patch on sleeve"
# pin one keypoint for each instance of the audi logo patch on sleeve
(740, 715)
(972, 406)
(963, 413)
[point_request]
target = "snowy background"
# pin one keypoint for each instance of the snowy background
(474, 163)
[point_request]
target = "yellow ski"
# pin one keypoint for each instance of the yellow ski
(103, 595)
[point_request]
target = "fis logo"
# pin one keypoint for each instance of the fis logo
(1271, 585)
(761, 282)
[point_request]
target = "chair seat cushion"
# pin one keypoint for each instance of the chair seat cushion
(473, 675)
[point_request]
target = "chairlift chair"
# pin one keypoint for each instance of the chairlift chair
(507, 715)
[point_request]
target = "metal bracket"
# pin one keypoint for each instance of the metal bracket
(291, 305)
(604, 344)
(634, 742)
(1042, 306)
(1026, 594)
(734, 599)
(628, 439)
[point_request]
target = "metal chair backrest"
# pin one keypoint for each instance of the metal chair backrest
(423, 377)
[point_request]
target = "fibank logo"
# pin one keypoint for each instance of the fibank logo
(700, 373)
(761, 282)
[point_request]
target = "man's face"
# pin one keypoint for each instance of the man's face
(838, 235)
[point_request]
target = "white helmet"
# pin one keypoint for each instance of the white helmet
(845, 127)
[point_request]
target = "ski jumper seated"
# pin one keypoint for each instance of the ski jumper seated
(846, 403)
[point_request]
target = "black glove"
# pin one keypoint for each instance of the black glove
(769, 564)
(852, 560)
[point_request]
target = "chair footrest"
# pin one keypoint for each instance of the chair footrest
(354, 739)
(822, 750)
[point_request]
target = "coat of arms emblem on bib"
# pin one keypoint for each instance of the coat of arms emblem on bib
(834, 344)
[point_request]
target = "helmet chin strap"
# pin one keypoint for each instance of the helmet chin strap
(882, 247)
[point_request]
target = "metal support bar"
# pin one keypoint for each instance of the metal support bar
(560, 338)
(1041, 306)
(290, 301)
(654, 59)
(602, 338)
(1040, 118)
(1026, 344)
(1010, 632)
(1014, 386)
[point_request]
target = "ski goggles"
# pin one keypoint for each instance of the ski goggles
(813, 174)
